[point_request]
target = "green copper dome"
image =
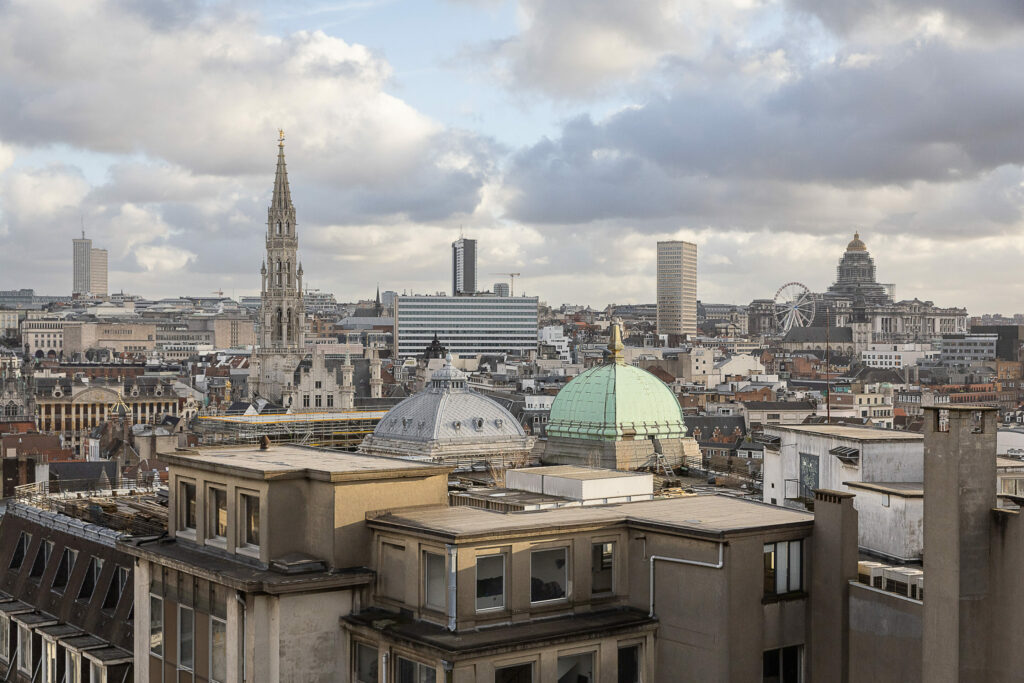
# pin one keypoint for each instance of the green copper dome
(615, 401)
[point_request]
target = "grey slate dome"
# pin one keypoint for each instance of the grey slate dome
(447, 422)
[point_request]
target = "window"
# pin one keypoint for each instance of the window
(73, 667)
(24, 649)
(629, 664)
(49, 661)
(490, 582)
(392, 571)
(414, 672)
(782, 665)
(319, 401)
(67, 562)
(20, 551)
(5, 637)
(305, 400)
(97, 673)
(318, 384)
(548, 575)
(186, 637)
(117, 583)
(187, 503)
(366, 664)
(520, 673)
(156, 625)
(218, 513)
(218, 650)
(601, 560)
(42, 559)
(576, 668)
(249, 505)
(91, 580)
(434, 584)
(782, 567)
(330, 400)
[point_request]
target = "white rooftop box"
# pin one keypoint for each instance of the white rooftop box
(590, 485)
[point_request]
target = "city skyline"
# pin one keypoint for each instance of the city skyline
(568, 174)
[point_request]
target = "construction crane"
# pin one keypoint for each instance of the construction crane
(512, 277)
(218, 292)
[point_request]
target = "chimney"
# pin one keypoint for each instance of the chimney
(959, 495)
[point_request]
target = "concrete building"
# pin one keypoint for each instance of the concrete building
(81, 251)
(765, 413)
(119, 337)
(464, 267)
(466, 325)
(501, 289)
(98, 272)
(896, 356)
(961, 349)
(43, 337)
(677, 288)
(884, 469)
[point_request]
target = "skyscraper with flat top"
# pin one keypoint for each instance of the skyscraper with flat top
(677, 287)
(82, 265)
(98, 272)
(463, 266)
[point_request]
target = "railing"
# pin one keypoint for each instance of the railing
(115, 507)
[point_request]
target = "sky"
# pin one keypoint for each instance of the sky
(567, 136)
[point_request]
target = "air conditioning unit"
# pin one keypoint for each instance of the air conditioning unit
(870, 573)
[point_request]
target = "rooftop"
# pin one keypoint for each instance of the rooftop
(903, 489)
(851, 432)
(706, 516)
(290, 462)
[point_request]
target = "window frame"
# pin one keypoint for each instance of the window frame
(5, 638)
(425, 553)
(224, 623)
(783, 561)
(418, 668)
(192, 646)
(611, 568)
(183, 513)
(215, 492)
(154, 599)
(504, 582)
(568, 576)
(20, 548)
(22, 629)
(242, 520)
(357, 645)
(71, 556)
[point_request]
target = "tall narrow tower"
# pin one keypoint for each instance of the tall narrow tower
(282, 310)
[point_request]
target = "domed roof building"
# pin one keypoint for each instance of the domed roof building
(451, 424)
(616, 416)
(855, 276)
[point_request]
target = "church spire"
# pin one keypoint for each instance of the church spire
(282, 194)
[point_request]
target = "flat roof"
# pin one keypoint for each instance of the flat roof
(580, 473)
(851, 432)
(1002, 462)
(286, 461)
(903, 489)
(710, 516)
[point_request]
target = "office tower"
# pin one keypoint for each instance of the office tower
(501, 289)
(465, 324)
(82, 262)
(463, 266)
(98, 272)
(677, 287)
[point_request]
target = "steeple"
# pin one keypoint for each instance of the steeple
(615, 345)
(282, 194)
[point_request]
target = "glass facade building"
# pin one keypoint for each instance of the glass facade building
(466, 324)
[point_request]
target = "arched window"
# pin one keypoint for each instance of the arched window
(11, 409)
(279, 227)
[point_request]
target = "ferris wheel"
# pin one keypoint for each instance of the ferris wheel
(794, 306)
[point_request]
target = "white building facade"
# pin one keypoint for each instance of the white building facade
(470, 325)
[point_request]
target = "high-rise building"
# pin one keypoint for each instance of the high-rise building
(463, 266)
(98, 272)
(471, 325)
(677, 287)
(82, 263)
(501, 289)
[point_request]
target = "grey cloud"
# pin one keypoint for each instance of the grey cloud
(843, 17)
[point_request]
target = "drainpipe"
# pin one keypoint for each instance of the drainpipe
(452, 567)
(676, 560)
(241, 601)
(384, 669)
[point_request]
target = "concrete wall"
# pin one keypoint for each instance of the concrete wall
(885, 636)
(891, 524)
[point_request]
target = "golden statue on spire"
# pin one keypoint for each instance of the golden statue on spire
(280, 137)
(615, 345)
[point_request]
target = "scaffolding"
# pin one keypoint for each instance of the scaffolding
(338, 430)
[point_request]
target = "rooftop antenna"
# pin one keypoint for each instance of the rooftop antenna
(82, 215)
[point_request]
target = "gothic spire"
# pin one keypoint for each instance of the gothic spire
(282, 194)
